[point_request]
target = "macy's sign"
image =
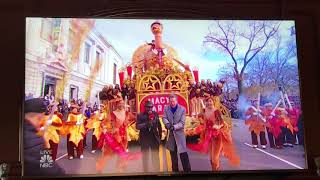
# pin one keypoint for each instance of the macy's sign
(160, 101)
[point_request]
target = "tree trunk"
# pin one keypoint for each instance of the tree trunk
(240, 85)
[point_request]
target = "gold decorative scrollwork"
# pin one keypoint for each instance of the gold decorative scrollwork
(149, 83)
(174, 82)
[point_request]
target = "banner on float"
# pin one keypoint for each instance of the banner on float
(160, 101)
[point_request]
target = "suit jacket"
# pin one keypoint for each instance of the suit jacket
(177, 120)
(147, 136)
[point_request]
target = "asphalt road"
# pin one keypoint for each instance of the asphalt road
(251, 158)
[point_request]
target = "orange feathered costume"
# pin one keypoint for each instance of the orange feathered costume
(51, 132)
(217, 139)
(255, 122)
(76, 132)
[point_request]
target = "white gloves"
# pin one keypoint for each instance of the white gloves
(42, 128)
(79, 122)
(48, 122)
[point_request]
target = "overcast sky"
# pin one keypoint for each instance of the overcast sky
(185, 36)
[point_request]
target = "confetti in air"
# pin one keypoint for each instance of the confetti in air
(80, 28)
(94, 71)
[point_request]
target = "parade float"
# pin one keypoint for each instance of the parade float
(155, 72)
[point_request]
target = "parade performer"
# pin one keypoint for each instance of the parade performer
(287, 130)
(293, 114)
(276, 126)
(209, 88)
(269, 114)
(132, 97)
(94, 123)
(197, 102)
(113, 142)
(193, 99)
(87, 115)
(217, 138)
(75, 131)
(121, 119)
(50, 127)
(149, 136)
(257, 125)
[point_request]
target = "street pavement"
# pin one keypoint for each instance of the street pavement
(250, 158)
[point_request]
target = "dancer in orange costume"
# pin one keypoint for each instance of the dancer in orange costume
(269, 115)
(287, 129)
(94, 123)
(75, 131)
(257, 126)
(120, 119)
(294, 114)
(275, 124)
(106, 150)
(49, 129)
(217, 138)
(113, 140)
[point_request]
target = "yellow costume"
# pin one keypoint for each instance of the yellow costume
(76, 131)
(50, 132)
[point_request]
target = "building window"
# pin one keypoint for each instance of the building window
(73, 92)
(46, 29)
(56, 33)
(98, 58)
(87, 53)
(114, 73)
(71, 39)
(49, 86)
(57, 23)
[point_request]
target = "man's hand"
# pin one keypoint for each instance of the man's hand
(168, 126)
(171, 128)
(149, 125)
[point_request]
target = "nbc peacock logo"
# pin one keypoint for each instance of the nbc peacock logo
(46, 160)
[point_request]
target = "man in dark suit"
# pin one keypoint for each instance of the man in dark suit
(150, 136)
(174, 119)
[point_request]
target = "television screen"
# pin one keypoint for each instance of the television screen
(141, 96)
